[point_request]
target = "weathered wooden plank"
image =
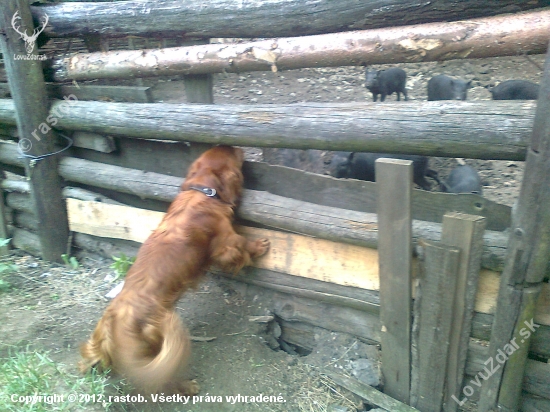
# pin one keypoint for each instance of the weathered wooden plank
(131, 94)
(4, 250)
(336, 294)
(488, 129)
(394, 181)
(165, 157)
(464, 232)
(94, 141)
(31, 106)
(510, 390)
(360, 195)
(370, 394)
(223, 18)
(85, 217)
(437, 295)
(292, 308)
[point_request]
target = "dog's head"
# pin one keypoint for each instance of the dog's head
(218, 168)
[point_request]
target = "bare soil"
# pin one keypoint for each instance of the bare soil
(51, 307)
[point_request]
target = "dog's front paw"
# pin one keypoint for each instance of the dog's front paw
(262, 246)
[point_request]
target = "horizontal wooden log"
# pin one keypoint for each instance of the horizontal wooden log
(372, 395)
(103, 247)
(483, 130)
(507, 35)
(332, 293)
(231, 18)
(173, 158)
(292, 308)
(27, 241)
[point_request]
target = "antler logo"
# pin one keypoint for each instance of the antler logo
(29, 40)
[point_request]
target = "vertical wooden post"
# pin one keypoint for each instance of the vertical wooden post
(434, 325)
(4, 250)
(466, 233)
(526, 261)
(198, 87)
(394, 183)
(36, 139)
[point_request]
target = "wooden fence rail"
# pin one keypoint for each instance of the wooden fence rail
(507, 35)
(276, 18)
(483, 130)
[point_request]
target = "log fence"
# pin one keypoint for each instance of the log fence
(130, 154)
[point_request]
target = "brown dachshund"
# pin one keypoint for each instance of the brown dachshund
(140, 336)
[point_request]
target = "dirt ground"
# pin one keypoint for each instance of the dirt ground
(51, 307)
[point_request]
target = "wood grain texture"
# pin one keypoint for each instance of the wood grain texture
(464, 232)
(488, 129)
(228, 18)
(435, 312)
(506, 35)
(394, 181)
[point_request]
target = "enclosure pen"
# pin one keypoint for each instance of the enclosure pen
(438, 283)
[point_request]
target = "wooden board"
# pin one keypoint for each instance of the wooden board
(169, 158)
(131, 94)
(115, 221)
(466, 233)
(360, 195)
(319, 259)
(435, 312)
(293, 254)
(394, 181)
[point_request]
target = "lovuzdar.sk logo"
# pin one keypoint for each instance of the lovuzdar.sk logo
(30, 41)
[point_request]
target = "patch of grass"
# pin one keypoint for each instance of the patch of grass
(70, 261)
(5, 268)
(121, 265)
(27, 373)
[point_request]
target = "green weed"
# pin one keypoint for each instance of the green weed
(70, 261)
(121, 265)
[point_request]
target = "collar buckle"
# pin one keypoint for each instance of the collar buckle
(208, 191)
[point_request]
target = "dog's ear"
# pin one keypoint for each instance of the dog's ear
(230, 188)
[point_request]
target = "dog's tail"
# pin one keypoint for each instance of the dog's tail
(95, 352)
(151, 375)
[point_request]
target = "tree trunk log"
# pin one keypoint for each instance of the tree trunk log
(275, 18)
(482, 130)
(508, 35)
